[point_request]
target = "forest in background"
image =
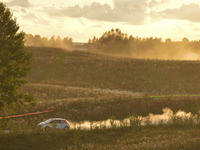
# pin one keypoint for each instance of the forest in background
(38, 41)
(115, 42)
(119, 43)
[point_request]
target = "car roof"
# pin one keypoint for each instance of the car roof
(56, 119)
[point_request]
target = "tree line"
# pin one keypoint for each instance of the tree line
(38, 41)
(117, 42)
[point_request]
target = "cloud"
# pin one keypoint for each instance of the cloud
(129, 11)
(94, 11)
(130, 4)
(22, 3)
(185, 12)
(31, 17)
(153, 3)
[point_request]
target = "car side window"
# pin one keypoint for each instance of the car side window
(58, 121)
(53, 122)
(63, 121)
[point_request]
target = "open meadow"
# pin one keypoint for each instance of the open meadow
(99, 75)
(82, 86)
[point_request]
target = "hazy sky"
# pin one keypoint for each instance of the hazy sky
(83, 19)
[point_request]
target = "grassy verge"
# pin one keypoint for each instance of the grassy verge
(151, 137)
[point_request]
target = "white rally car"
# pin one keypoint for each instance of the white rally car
(54, 123)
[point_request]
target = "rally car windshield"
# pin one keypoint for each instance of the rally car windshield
(49, 120)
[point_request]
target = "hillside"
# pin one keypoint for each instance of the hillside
(92, 88)
(84, 69)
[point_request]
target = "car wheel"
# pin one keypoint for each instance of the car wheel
(66, 128)
(47, 128)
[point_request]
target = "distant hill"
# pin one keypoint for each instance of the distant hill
(84, 69)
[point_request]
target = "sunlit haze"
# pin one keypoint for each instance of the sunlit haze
(83, 19)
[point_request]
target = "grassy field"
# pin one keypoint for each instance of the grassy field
(88, 86)
(83, 86)
(146, 138)
(83, 69)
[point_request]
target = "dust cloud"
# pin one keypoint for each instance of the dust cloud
(56, 42)
(115, 42)
(167, 54)
(167, 117)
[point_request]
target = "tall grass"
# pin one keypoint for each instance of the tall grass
(147, 137)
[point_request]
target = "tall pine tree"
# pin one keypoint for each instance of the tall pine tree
(14, 61)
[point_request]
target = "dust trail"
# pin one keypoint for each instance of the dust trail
(167, 117)
(89, 125)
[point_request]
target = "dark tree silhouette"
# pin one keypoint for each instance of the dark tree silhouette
(111, 42)
(116, 42)
(14, 62)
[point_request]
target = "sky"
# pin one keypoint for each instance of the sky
(84, 19)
